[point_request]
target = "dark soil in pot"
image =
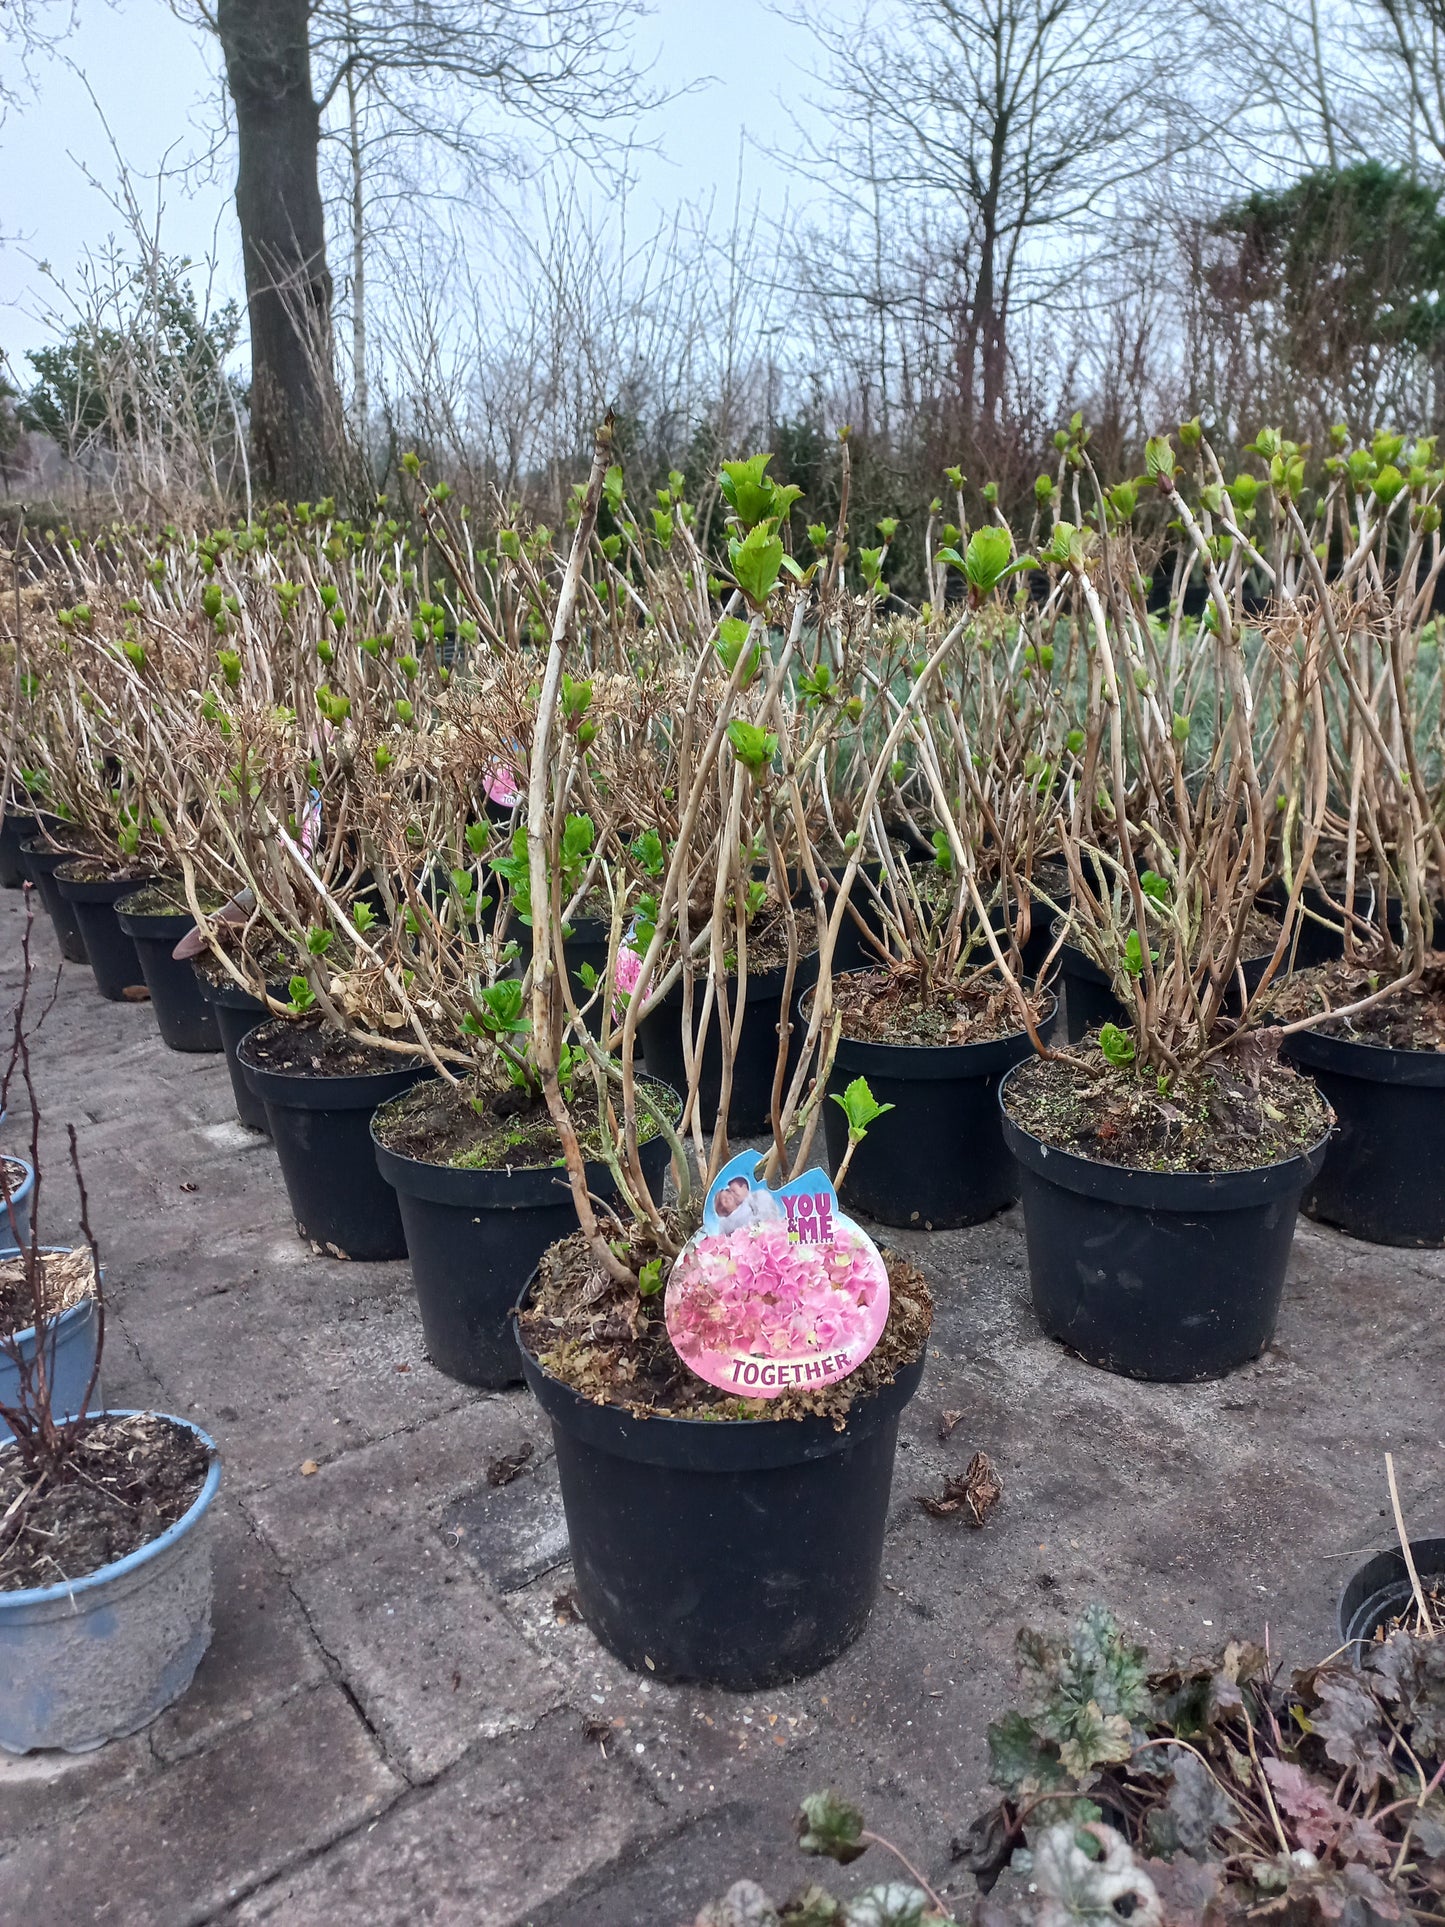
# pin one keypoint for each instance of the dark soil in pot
(482, 1197)
(155, 922)
(938, 1158)
(42, 860)
(739, 1544)
(93, 891)
(1159, 1224)
(1383, 1072)
(130, 1479)
(236, 1012)
(18, 827)
(1380, 1601)
(320, 1089)
(754, 1064)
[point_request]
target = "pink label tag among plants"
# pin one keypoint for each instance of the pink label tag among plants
(778, 1289)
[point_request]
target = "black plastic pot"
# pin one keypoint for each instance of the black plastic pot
(18, 827)
(112, 955)
(42, 862)
(588, 944)
(1384, 1177)
(1381, 1589)
(236, 1011)
(853, 951)
(742, 1552)
(321, 1127)
(1089, 999)
(1163, 1275)
(474, 1238)
(183, 1017)
(938, 1158)
(751, 1101)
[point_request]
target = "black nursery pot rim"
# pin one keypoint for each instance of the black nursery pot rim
(87, 890)
(40, 849)
(1381, 1587)
(320, 1090)
(1159, 1190)
(933, 1063)
(153, 926)
(703, 1444)
(1370, 1063)
(231, 994)
(494, 1188)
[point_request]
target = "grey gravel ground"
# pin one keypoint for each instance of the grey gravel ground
(395, 1724)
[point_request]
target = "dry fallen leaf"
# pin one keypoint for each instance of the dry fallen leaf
(308, 1466)
(946, 1423)
(502, 1471)
(974, 1495)
(565, 1606)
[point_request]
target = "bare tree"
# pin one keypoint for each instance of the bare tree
(452, 81)
(1012, 123)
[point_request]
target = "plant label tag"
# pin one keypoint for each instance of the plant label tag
(778, 1289)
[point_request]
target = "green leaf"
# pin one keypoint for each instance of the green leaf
(752, 494)
(987, 559)
(732, 635)
(363, 916)
(612, 489)
(832, 1826)
(318, 942)
(501, 1011)
(587, 976)
(894, 1904)
(649, 854)
(1020, 1762)
(1159, 458)
(755, 563)
(1155, 887)
(579, 834)
(860, 1107)
(753, 746)
(1117, 1045)
(649, 1278)
(302, 996)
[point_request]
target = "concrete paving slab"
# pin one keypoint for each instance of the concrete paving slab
(425, 1648)
(361, 1490)
(501, 1835)
(176, 1848)
(262, 1650)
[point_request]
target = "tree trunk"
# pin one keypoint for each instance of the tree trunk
(283, 239)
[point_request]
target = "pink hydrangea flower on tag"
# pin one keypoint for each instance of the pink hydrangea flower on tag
(777, 1290)
(502, 787)
(624, 978)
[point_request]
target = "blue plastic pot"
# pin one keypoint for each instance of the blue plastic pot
(15, 1221)
(69, 1362)
(100, 1657)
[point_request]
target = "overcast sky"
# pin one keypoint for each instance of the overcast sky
(154, 87)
